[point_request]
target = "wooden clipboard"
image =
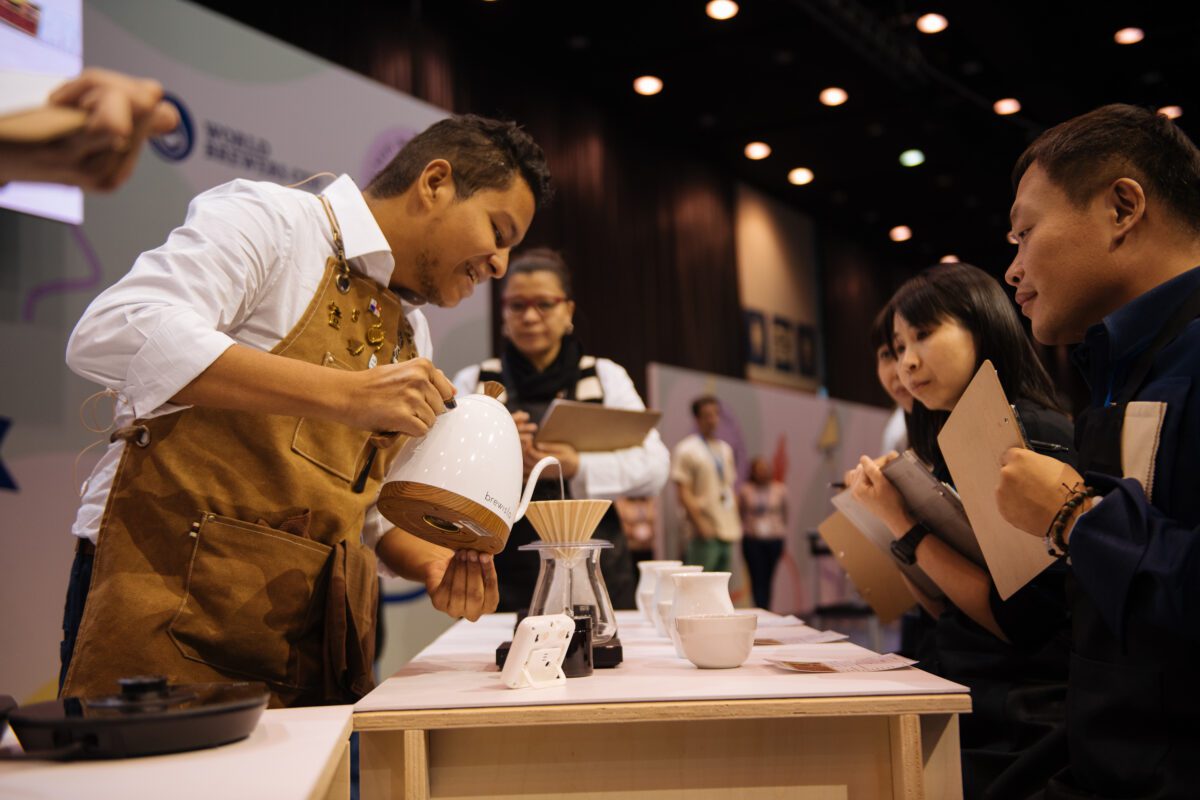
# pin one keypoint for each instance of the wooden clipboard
(980, 429)
(591, 427)
(875, 575)
(876, 532)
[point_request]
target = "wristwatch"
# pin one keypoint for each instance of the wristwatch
(904, 549)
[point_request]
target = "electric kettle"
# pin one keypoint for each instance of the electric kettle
(459, 485)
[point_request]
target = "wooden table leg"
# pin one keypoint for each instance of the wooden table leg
(908, 773)
(339, 786)
(393, 765)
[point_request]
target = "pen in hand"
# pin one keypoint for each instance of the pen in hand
(1047, 447)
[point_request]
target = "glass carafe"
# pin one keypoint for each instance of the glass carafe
(569, 576)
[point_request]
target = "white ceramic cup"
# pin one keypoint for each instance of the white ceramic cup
(698, 593)
(717, 641)
(664, 593)
(647, 578)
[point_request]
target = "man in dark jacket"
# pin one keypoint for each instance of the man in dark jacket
(1107, 226)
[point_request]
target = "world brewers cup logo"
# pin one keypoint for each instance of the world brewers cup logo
(177, 144)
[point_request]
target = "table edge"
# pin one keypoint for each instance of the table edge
(664, 711)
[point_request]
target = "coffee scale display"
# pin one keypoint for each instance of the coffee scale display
(569, 578)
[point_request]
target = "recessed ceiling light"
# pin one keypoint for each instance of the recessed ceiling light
(912, 158)
(757, 151)
(949, 258)
(800, 176)
(1129, 36)
(1171, 112)
(1009, 105)
(648, 85)
(834, 96)
(721, 9)
(931, 23)
(900, 233)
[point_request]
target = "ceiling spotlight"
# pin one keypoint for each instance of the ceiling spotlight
(900, 233)
(931, 23)
(949, 258)
(1129, 36)
(647, 85)
(912, 158)
(1171, 112)
(1009, 105)
(800, 176)
(757, 151)
(721, 9)
(834, 96)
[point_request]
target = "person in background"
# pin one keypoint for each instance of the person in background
(895, 433)
(762, 501)
(638, 515)
(704, 473)
(122, 112)
(1011, 653)
(1106, 221)
(543, 360)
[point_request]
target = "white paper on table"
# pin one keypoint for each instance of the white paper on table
(871, 663)
(791, 620)
(806, 635)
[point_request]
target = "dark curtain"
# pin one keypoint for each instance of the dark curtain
(646, 227)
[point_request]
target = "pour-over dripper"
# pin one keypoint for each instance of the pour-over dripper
(569, 575)
(566, 520)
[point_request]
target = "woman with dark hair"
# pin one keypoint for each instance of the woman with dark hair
(1011, 653)
(543, 360)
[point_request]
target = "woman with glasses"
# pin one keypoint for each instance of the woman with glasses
(542, 360)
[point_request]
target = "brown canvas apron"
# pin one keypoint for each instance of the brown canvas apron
(230, 548)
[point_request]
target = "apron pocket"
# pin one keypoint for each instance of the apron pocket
(332, 446)
(1117, 726)
(253, 602)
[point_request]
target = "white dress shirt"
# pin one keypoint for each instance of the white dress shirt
(242, 269)
(632, 472)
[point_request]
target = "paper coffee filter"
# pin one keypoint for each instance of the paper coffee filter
(566, 520)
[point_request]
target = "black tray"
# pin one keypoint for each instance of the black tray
(149, 717)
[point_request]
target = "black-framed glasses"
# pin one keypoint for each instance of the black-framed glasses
(517, 306)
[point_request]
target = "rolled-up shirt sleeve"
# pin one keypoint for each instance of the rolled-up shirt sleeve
(631, 472)
(151, 333)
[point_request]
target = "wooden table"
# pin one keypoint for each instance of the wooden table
(656, 727)
(293, 754)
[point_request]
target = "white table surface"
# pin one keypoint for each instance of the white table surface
(291, 754)
(459, 671)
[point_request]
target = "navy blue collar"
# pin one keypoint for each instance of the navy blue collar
(1110, 346)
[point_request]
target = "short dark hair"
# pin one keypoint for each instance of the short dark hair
(702, 401)
(542, 259)
(977, 301)
(1085, 154)
(484, 154)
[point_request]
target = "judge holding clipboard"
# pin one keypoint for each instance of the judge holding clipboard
(542, 361)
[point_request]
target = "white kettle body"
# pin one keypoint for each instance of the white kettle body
(459, 485)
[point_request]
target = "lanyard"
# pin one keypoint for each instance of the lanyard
(718, 462)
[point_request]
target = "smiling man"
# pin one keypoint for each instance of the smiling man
(265, 361)
(1107, 225)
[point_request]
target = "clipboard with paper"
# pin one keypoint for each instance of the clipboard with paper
(935, 504)
(982, 427)
(591, 427)
(876, 532)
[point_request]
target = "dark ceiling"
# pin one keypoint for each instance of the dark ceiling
(758, 76)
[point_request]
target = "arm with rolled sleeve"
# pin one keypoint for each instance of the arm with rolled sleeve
(634, 471)
(155, 330)
(1135, 562)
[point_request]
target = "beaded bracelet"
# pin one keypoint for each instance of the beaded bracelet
(1056, 544)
